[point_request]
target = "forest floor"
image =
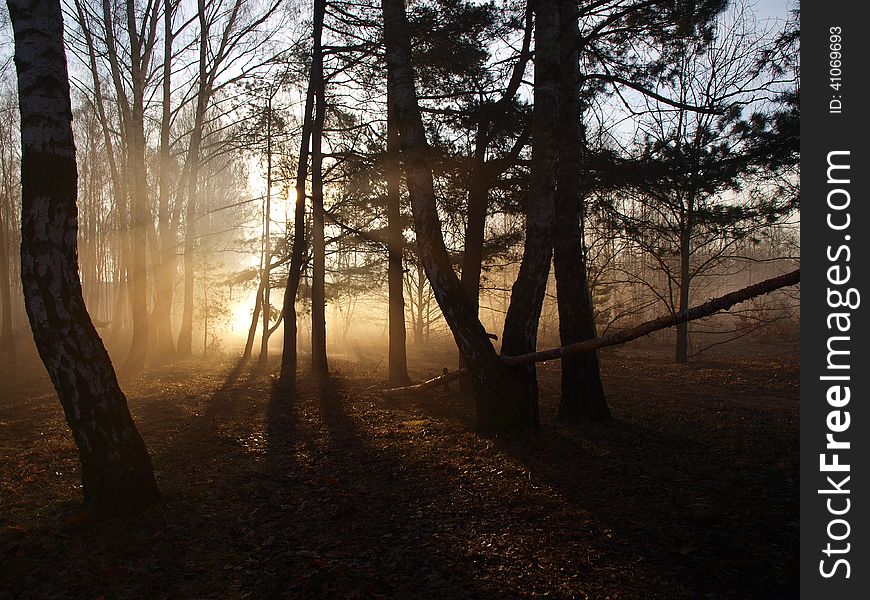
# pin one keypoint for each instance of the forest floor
(332, 491)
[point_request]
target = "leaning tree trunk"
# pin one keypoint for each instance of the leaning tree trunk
(398, 357)
(294, 273)
(582, 391)
(117, 477)
(319, 363)
(475, 228)
(626, 335)
(500, 400)
(484, 173)
(255, 320)
(527, 295)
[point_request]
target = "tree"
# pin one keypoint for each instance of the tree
(228, 30)
(527, 294)
(319, 361)
(698, 161)
(9, 185)
(266, 274)
(501, 392)
(167, 268)
(141, 38)
(582, 390)
(626, 335)
(491, 117)
(297, 254)
(397, 359)
(117, 476)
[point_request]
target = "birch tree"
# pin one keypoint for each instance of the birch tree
(117, 476)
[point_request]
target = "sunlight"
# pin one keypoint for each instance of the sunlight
(242, 312)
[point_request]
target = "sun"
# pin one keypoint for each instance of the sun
(242, 313)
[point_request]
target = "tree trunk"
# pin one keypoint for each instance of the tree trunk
(682, 350)
(294, 273)
(7, 336)
(185, 334)
(319, 363)
(140, 215)
(166, 267)
(398, 358)
(483, 174)
(140, 212)
(263, 359)
(117, 477)
(527, 295)
(582, 391)
(475, 228)
(500, 400)
(255, 319)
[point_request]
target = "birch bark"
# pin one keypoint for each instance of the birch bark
(117, 477)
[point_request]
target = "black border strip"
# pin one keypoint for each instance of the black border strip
(834, 247)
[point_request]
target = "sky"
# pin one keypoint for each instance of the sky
(777, 9)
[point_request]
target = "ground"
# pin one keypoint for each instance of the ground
(331, 491)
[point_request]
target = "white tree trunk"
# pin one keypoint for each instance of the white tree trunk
(117, 476)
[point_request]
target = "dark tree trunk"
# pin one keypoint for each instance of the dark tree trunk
(117, 477)
(255, 319)
(319, 363)
(527, 295)
(398, 358)
(483, 174)
(682, 350)
(294, 273)
(501, 401)
(475, 229)
(582, 391)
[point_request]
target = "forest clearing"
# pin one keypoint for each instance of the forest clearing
(690, 491)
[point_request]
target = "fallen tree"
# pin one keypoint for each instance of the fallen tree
(702, 310)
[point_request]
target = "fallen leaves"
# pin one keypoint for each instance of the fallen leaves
(335, 493)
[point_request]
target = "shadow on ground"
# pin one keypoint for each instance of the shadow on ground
(322, 489)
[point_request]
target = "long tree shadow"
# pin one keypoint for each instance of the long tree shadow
(717, 524)
(323, 489)
(714, 510)
(347, 518)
